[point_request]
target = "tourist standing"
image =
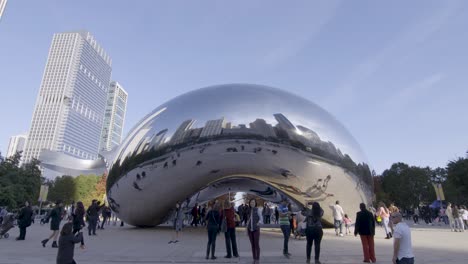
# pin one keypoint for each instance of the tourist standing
(266, 213)
(92, 215)
(314, 230)
(276, 215)
(66, 247)
(402, 248)
(458, 219)
(24, 220)
(213, 222)
(178, 223)
(285, 225)
(384, 213)
(78, 220)
(338, 215)
(449, 213)
(246, 214)
(253, 229)
(55, 219)
(230, 235)
(105, 214)
(464, 214)
(195, 215)
(365, 227)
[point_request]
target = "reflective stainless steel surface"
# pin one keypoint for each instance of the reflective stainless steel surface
(238, 138)
(68, 165)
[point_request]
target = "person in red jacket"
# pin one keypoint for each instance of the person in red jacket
(230, 234)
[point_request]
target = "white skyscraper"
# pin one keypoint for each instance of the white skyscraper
(114, 118)
(70, 107)
(17, 143)
(2, 7)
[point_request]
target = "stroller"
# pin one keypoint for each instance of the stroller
(7, 224)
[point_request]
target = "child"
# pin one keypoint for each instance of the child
(66, 246)
(347, 221)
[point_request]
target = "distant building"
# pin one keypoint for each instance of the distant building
(2, 7)
(17, 143)
(158, 139)
(213, 127)
(263, 128)
(71, 103)
(182, 131)
(114, 119)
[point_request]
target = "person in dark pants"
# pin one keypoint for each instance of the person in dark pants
(285, 225)
(276, 215)
(314, 231)
(105, 213)
(365, 227)
(230, 234)
(195, 215)
(92, 215)
(213, 222)
(24, 220)
(67, 241)
(253, 229)
(55, 219)
(78, 220)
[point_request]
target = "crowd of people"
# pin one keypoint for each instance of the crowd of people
(223, 217)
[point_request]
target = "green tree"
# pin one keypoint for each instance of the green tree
(63, 189)
(408, 186)
(456, 185)
(18, 184)
(86, 188)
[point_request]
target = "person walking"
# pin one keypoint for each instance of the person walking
(78, 220)
(105, 214)
(253, 229)
(402, 248)
(314, 230)
(384, 213)
(66, 246)
(338, 215)
(230, 235)
(213, 222)
(365, 227)
(24, 220)
(178, 223)
(464, 214)
(55, 219)
(347, 222)
(285, 225)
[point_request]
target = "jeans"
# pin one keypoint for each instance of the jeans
(338, 224)
(92, 224)
(22, 234)
(267, 219)
(314, 236)
(254, 237)
(405, 261)
(212, 233)
(368, 247)
(286, 229)
(385, 224)
(230, 238)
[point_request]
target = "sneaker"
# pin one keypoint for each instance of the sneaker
(341, 234)
(170, 242)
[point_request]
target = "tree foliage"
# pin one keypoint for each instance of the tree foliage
(456, 185)
(19, 183)
(63, 189)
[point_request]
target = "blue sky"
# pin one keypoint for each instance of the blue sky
(394, 72)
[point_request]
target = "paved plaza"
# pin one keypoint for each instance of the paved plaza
(132, 245)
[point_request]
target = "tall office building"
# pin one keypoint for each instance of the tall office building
(17, 143)
(213, 127)
(182, 131)
(114, 118)
(2, 7)
(70, 107)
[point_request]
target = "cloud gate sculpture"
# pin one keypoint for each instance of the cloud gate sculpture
(236, 138)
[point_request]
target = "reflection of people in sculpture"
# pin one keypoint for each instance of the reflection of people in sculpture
(199, 163)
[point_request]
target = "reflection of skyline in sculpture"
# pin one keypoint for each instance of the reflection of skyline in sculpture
(235, 138)
(303, 137)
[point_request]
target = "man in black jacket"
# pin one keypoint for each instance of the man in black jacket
(92, 215)
(24, 220)
(365, 227)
